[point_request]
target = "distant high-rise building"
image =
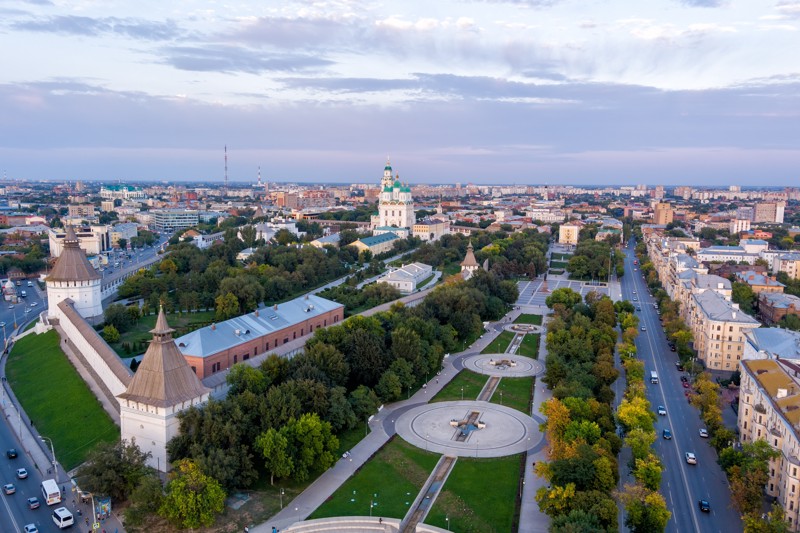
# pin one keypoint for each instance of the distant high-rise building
(734, 188)
(658, 192)
(683, 192)
(739, 225)
(662, 213)
(770, 212)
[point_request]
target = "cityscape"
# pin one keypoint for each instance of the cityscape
(344, 266)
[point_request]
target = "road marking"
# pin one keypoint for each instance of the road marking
(10, 514)
(681, 463)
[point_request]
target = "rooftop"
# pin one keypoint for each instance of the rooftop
(757, 278)
(215, 338)
(775, 342)
(780, 300)
(716, 307)
(377, 239)
(773, 378)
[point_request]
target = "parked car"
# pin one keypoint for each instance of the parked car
(684, 379)
(704, 506)
(667, 434)
(685, 384)
(662, 411)
(704, 433)
(691, 458)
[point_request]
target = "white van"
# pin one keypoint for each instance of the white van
(63, 518)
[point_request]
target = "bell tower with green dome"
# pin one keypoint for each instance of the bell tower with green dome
(395, 204)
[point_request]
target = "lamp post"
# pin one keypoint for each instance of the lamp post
(462, 393)
(281, 494)
(447, 519)
(501, 397)
(52, 450)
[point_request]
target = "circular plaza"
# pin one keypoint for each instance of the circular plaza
(503, 365)
(468, 429)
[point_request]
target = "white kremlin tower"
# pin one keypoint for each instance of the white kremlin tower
(74, 277)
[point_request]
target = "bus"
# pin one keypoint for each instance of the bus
(653, 376)
(50, 492)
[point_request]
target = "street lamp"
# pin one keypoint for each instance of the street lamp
(281, 498)
(52, 450)
(462, 393)
(501, 397)
(447, 519)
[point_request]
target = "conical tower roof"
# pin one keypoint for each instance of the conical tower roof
(72, 264)
(163, 378)
(469, 259)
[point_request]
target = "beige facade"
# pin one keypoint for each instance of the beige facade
(662, 213)
(431, 229)
(718, 327)
(769, 410)
(568, 233)
(789, 263)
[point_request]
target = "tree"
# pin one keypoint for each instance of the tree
(311, 444)
(389, 387)
(114, 469)
(274, 447)
(227, 307)
(775, 521)
(646, 510)
(145, 500)
(117, 315)
(565, 296)
(122, 243)
(742, 294)
(168, 266)
(648, 472)
(244, 377)
(364, 401)
(556, 500)
(577, 521)
(110, 334)
(192, 498)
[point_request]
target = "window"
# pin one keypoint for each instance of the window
(285, 340)
(294, 335)
(235, 359)
(194, 369)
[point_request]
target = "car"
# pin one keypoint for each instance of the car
(672, 348)
(11, 307)
(704, 506)
(679, 366)
(638, 308)
(667, 434)
(634, 291)
(685, 384)
(30, 284)
(644, 328)
(635, 299)
(662, 411)
(30, 528)
(27, 310)
(22, 473)
(9, 488)
(11, 453)
(704, 433)
(33, 503)
(691, 458)
(2, 324)
(34, 304)
(684, 379)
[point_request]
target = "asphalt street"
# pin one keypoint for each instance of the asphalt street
(682, 484)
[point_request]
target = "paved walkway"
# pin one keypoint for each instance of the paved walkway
(531, 519)
(382, 427)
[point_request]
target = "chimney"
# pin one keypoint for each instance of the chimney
(276, 307)
(782, 393)
(306, 296)
(734, 315)
(213, 326)
(256, 313)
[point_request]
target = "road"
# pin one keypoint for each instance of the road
(27, 308)
(682, 484)
(14, 512)
(139, 256)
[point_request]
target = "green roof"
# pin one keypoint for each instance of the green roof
(387, 167)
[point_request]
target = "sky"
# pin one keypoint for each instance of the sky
(695, 92)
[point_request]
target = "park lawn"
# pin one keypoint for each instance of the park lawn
(529, 347)
(500, 343)
(560, 257)
(479, 496)
(527, 318)
(558, 264)
(56, 399)
(451, 269)
(350, 437)
(182, 323)
(425, 281)
(556, 271)
(472, 383)
(392, 478)
(516, 393)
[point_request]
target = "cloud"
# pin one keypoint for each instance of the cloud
(221, 58)
(94, 27)
(704, 3)
(788, 9)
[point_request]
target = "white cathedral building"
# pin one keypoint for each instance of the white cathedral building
(395, 203)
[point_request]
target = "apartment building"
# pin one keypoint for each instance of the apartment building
(568, 233)
(430, 229)
(789, 263)
(718, 327)
(92, 240)
(81, 210)
(774, 306)
(662, 213)
(770, 212)
(759, 282)
(769, 410)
